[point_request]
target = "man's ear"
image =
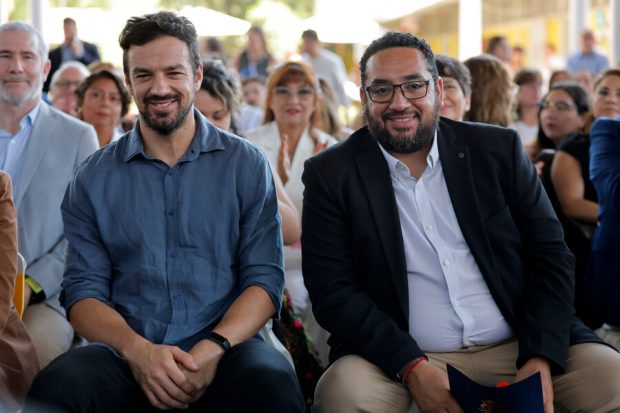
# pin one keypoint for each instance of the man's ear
(46, 69)
(198, 78)
(128, 84)
(363, 96)
(439, 88)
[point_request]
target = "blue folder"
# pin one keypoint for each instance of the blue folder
(522, 397)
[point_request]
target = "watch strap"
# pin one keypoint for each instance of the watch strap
(219, 339)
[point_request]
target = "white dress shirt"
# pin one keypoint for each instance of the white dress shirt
(450, 305)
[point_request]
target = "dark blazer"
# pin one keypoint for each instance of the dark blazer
(602, 282)
(91, 54)
(354, 263)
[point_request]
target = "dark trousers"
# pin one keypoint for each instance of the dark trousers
(251, 377)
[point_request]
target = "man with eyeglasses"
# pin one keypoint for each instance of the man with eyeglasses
(65, 83)
(429, 242)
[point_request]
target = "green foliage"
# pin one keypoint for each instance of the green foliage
(20, 11)
(104, 4)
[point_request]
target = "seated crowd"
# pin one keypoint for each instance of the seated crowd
(471, 220)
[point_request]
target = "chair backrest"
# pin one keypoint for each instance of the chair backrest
(18, 294)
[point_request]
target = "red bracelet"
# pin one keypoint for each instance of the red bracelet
(411, 367)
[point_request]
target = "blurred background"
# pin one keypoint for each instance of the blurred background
(541, 32)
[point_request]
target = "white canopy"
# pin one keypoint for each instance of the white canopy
(209, 22)
(344, 28)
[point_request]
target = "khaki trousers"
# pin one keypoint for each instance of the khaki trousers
(50, 332)
(590, 384)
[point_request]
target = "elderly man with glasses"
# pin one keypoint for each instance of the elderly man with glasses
(65, 83)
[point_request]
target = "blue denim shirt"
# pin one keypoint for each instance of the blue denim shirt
(171, 248)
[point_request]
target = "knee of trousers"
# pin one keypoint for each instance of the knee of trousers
(67, 383)
(346, 384)
(608, 377)
(596, 385)
(274, 385)
(50, 390)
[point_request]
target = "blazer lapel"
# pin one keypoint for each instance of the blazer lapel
(37, 145)
(455, 162)
(377, 183)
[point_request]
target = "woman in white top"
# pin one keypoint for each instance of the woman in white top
(289, 136)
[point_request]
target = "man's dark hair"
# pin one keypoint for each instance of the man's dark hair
(310, 34)
(449, 67)
(396, 39)
(141, 30)
(69, 20)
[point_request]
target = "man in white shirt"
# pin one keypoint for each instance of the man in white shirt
(429, 242)
(326, 64)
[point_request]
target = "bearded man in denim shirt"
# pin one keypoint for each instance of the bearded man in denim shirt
(175, 255)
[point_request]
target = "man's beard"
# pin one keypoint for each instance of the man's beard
(420, 139)
(16, 101)
(161, 125)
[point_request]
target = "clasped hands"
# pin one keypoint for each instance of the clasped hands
(172, 378)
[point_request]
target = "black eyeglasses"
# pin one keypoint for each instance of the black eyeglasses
(410, 90)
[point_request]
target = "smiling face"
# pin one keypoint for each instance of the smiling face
(455, 103)
(22, 70)
(163, 83)
(401, 125)
(293, 103)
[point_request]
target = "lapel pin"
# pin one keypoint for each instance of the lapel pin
(461, 155)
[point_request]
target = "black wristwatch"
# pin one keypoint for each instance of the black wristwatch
(218, 339)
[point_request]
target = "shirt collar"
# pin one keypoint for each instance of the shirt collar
(394, 165)
(206, 139)
(31, 116)
(25, 122)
